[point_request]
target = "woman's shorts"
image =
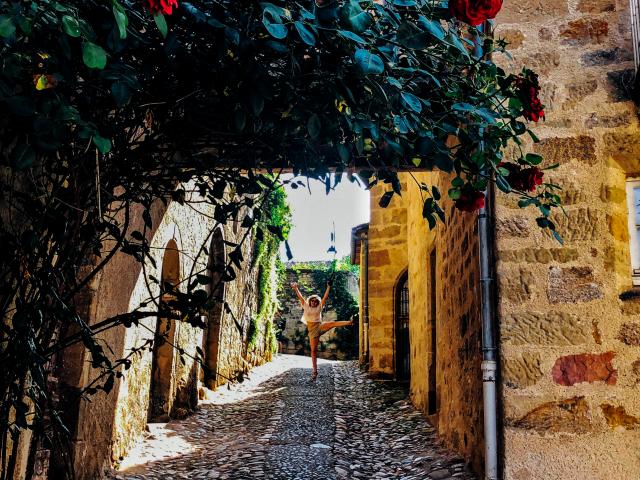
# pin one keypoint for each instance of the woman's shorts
(314, 329)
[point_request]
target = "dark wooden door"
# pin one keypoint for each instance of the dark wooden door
(403, 348)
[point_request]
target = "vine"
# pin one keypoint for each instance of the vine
(270, 270)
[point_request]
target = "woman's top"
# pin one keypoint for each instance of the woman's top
(311, 314)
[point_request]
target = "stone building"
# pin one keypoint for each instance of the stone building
(163, 381)
(337, 344)
(568, 315)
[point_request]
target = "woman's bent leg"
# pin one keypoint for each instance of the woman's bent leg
(326, 326)
(313, 343)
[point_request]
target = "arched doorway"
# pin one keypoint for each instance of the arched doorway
(403, 350)
(162, 371)
(211, 339)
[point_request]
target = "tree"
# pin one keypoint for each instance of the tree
(108, 105)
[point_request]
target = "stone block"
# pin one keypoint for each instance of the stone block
(629, 334)
(606, 57)
(635, 369)
(517, 285)
(612, 194)
(522, 371)
(563, 149)
(512, 36)
(532, 11)
(516, 226)
(625, 149)
(618, 227)
(618, 417)
(586, 367)
(576, 92)
(584, 31)
(570, 415)
(543, 63)
(379, 257)
(574, 284)
(582, 224)
(539, 255)
(549, 328)
(608, 121)
(620, 84)
(596, 6)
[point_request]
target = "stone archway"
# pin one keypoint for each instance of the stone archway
(402, 346)
(211, 340)
(163, 387)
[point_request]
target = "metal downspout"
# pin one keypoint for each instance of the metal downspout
(365, 306)
(489, 349)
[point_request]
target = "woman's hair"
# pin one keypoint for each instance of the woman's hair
(314, 297)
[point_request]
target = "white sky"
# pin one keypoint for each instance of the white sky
(314, 214)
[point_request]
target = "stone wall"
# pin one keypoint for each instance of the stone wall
(569, 344)
(387, 263)
(293, 337)
(457, 412)
(109, 426)
(399, 239)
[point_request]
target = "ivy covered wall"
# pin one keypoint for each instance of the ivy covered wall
(340, 343)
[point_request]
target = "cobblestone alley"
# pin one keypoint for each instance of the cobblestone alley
(280, 425)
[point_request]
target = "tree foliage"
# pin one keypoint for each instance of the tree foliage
(109, 107)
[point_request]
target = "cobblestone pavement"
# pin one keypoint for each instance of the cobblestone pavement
(279, 425)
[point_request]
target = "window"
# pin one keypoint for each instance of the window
(633, 203)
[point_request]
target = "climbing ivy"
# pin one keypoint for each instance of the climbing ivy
(270, 269)
(340, 298)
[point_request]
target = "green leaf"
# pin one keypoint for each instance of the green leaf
(121, 20)
(436, 193)
(70, 26)
(314, 126)
(7, 28)
(273, 23)
(121, 93)
(433, 27)
(411, 101)
(533, 159)
(94, 55)
(386, 199)
(352, 36)
(23, 156)
(305, 33)
(369, 63)
(411, 36)
(356, 16)
(503, 185)
(103, 144)
(161, 23)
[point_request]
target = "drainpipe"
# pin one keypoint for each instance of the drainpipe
(365, 295)
(489, 349)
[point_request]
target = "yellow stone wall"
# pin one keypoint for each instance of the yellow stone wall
(111, 424)
(387, 263)
(394, 247)
(570, 346)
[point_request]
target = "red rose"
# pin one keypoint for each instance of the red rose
(523, 179)
(470, 200)
(474, 12)
(528, 90)
(162, 6)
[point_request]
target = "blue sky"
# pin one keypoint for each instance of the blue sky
(314, 214)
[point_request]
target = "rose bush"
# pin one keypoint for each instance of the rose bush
(162, 6)
(524, 179)
(474, 12)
